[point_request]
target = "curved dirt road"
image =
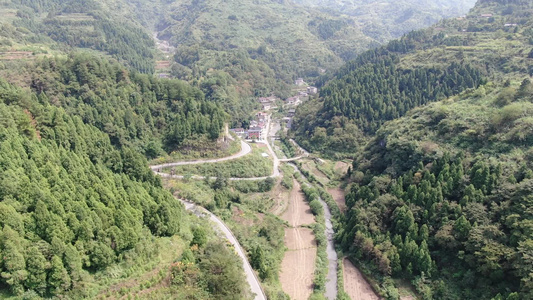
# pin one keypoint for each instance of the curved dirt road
(255, 286)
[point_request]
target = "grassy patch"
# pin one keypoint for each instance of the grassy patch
(252, 165)
(201, 148)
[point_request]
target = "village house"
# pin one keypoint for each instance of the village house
(293, 100)
(291, 112)
(486, 15)
(311, 90)
(299, 82)
(261, 116)
(510, 25)
(302, 94)
(266, 106)
(254, 133)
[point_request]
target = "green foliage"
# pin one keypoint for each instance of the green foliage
(133, 109)
(86, 24)
(372, 90)
(251, 165)
(211, 271)
(396, 18)
(443, 226)
(199, 236)
(421, 67)
(72, 200)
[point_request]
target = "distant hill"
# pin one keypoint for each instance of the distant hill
(232, 50)
(53, 27)
(384, 20)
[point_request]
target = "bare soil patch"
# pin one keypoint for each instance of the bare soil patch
(355, 284)
(298, 213)
(299, 238)
(12, 55)
(338, 196)
(162, 64)
(341, 167)
(298, 265)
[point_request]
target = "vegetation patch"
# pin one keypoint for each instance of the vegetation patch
(251, 165)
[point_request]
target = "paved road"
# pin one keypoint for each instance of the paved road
(255, 286)
(245, 149)
(166, 175)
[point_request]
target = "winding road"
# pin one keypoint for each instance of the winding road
(245, 149)
(252, 279)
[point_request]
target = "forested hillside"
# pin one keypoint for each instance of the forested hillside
(440, 197)
(135, 110)
(385, 20)
(240, 49)
(492, 43)
(443, 197)
(233, 51)
(78, 198)
(52, 25)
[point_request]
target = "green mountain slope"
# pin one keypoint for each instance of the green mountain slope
(135, 110)
(240, 49)
(440, 197)
(421, 67)
(384, 20)
(80, 209)
(52, 26)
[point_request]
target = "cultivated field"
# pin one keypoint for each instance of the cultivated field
(298, 213)
(338, 195)
(298, 265)
(355, 284)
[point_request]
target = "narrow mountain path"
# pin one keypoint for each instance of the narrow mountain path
(252, 279)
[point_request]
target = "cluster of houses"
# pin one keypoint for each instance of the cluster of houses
(260, 121)
(257, 127)
(296, 100)
(267, 102)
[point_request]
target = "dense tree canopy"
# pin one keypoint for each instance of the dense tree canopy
(71, 201)
(133, 109)
(77, 194)
(422, 67)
